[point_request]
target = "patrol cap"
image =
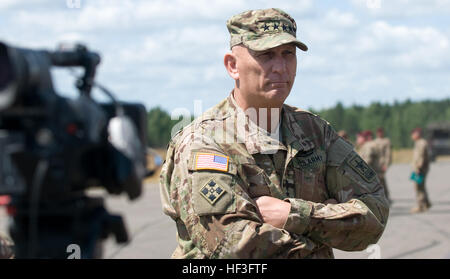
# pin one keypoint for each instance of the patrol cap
(263, 29)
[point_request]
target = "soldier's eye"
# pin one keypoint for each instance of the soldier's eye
(289, 52)
(265, 56)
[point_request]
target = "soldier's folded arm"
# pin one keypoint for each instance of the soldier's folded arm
(359, 217)
(215, 216)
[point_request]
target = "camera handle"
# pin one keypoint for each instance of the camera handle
(80, 56)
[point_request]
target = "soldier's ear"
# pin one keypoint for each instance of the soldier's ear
(230, 63)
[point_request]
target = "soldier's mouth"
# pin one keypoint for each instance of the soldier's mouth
(278, 84)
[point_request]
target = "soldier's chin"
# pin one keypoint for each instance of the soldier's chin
(277, 96)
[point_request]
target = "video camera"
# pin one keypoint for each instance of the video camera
(53, 148)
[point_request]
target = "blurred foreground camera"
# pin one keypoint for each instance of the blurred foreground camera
(53, 148)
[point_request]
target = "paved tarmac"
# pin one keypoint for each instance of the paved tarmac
(407, 236)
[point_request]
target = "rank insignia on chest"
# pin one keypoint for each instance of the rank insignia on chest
(212, 191)
(361, 167)
(211, 161)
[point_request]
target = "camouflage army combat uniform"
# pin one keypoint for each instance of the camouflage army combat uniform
(384, 147)
(371, 154)
(220, 162)
(420, 166)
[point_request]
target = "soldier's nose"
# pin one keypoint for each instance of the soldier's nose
(279, 65)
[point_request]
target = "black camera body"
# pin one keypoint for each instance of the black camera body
(53, 148)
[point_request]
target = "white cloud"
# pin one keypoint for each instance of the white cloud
(202, 10)
(71, 37)
(88, 18)
(406, 47)
(337, 19)
(184, 45)
(328, 30)
(7, 4)
(185, 9)
(403, 8)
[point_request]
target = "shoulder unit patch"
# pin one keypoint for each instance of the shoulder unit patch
(212, 191)
(361, 167)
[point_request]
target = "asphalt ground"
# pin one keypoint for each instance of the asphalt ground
(407, 236)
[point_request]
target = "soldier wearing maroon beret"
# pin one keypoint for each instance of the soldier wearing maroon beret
(420, 164)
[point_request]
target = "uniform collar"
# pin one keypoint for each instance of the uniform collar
(258, 140)
(255, 138)
(294, 134)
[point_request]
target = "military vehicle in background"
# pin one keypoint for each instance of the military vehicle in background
(438, 136)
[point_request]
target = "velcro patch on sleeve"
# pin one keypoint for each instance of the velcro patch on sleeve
(362, 168)
(211, 161)
(212, 191)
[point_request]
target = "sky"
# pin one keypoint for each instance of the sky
(169, 53)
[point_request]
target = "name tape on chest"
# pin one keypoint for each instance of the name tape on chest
(211, 161)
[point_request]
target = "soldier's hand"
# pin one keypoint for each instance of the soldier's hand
(274, 211)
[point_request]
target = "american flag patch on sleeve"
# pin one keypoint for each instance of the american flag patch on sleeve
(211, 161)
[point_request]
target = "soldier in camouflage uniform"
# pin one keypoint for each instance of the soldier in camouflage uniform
(420, 164)
(290, 188)
(372, 153)
(359, 142)
(384, 146)
(369, 151)
(343, 134)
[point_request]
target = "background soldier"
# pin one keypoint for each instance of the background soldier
(385, 148)
(420, 166)
(343, 134)
(371, 153)
(240, 185)
(360, 140)
(368, 150)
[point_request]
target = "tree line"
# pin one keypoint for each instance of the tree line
(397, 119)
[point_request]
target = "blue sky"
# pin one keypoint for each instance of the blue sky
(169, 53)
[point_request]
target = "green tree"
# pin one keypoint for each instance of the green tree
(397, 119)
(159, 126)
